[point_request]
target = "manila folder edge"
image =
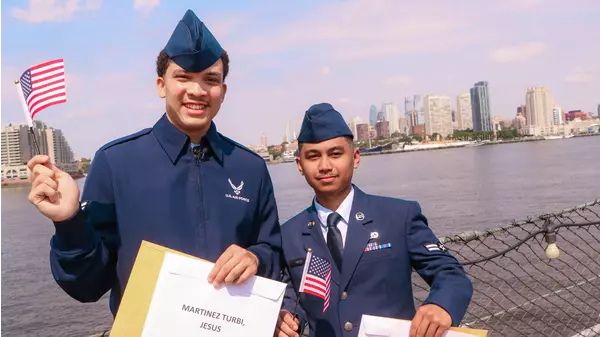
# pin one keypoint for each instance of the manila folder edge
(139, 291)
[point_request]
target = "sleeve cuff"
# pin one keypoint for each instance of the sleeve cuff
(449, 309)
(261, 253)
(73, 234)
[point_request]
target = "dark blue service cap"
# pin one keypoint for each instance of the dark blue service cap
(322, 122)
(192, 46)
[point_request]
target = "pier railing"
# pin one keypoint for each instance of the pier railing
(518, 289)
(521, 286)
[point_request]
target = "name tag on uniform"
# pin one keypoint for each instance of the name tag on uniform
(376, 246)
(296, 262)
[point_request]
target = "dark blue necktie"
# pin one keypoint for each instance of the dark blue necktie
(334, 239)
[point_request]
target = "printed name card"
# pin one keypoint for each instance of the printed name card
(183, 303)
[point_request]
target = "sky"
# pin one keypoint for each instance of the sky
(288, 55)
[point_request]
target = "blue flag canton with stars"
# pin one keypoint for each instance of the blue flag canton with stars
(25, 82)
(318, 267)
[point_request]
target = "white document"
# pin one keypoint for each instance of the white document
(185, 304)
(375, 326)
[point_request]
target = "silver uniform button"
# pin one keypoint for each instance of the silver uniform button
(348, 326)
(344, 295)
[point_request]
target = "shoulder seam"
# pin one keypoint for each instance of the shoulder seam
(243, 147)
(127, 138)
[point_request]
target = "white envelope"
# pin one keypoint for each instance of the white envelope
(376, 326)
(185, 304)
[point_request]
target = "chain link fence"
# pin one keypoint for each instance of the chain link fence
(518, 289)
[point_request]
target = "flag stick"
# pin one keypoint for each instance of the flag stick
(27, 115)
(297, 300)
(301, 288)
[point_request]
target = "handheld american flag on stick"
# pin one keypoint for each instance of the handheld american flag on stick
(316, 278)
(40, 87)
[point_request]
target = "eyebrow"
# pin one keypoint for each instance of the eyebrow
(335, 148)
(183, 72)
(213, 73)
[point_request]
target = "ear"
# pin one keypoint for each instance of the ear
(298, 163)
(160, 87)
(356, 158)
(223, 92)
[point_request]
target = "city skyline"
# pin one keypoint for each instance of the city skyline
(282, 64)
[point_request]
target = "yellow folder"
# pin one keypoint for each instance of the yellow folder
(135, 303)
(474, 332)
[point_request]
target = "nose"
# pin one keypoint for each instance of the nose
(195, 89)
(325, 164)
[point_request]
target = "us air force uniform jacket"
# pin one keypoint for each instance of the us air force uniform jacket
(152, 186)
(386, 239)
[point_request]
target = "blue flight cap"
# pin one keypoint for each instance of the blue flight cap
(322, 122)
(192, 46)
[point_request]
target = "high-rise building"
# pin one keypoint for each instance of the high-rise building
(438, 115)
(59, 150)
(19, 146)
(362, 131)
(391, 114)
(557, 116)
(352, 125)
(290, 132)
(14, 145)
(464, 113)
(480, 105)
(382, 129)
(263, 140)
(418, 109)
(522, 110)
(373, 115)
(540, 112)
(407, 106)
(404, 126)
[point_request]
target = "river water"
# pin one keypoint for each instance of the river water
(459, 189)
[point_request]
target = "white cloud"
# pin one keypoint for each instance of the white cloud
(365, 29)
(518, 53)
(581, 75)
(145, 5)
(54, 10)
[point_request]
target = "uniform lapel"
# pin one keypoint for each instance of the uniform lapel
(357, 236)
(313, 238)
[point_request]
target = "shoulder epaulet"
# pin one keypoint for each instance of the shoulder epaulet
(297, 216)
(236, 144)
(127, 138)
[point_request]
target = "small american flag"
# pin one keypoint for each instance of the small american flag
(316, 278)
(43, 85)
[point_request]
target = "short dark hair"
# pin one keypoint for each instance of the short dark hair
(348, 138)
(163, 60)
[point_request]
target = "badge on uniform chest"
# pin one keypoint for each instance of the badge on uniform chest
(376, 246)
(237, 190)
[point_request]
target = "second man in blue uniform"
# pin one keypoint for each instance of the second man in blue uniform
(363, 248)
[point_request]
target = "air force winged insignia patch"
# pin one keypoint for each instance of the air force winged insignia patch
(436, 247)
(236, 189)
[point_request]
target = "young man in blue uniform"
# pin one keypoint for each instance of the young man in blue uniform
(179, 184)
(370, 243)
